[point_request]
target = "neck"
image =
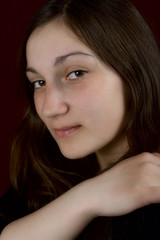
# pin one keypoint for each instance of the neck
(110, 154)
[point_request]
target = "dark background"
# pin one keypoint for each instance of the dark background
(15, 16)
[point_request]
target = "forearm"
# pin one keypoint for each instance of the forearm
(62, 219)
(131, 184)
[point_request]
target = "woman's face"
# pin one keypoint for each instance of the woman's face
(80, 100)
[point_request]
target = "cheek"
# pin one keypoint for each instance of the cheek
(38, 105)
(107, 106)
(85, 104)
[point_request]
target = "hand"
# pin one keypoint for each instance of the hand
(131, 184)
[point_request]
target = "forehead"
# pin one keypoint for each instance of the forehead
(54, 35)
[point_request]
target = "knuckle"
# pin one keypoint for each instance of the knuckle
(147, 160)
(146, 156)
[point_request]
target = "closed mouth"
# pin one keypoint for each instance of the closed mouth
(66, 131)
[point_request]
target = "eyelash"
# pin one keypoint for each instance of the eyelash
(41, 83)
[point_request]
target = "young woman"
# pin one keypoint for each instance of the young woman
(85, 161)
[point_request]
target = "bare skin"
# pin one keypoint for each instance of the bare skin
(82, 117)
(129, 185)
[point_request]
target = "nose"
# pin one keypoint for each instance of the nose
(53, 103)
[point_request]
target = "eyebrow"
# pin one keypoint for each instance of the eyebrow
(59, 60)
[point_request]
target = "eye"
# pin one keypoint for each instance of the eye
(76, 75)
(38, 84)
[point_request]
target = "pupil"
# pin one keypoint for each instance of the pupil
(79, 73)
(41, 83)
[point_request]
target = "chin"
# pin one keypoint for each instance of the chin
(73, 154)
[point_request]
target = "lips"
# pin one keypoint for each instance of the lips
(66, 131)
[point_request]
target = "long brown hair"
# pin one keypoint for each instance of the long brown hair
(119, 36)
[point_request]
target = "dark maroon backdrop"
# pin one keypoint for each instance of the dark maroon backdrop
(15, 16)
